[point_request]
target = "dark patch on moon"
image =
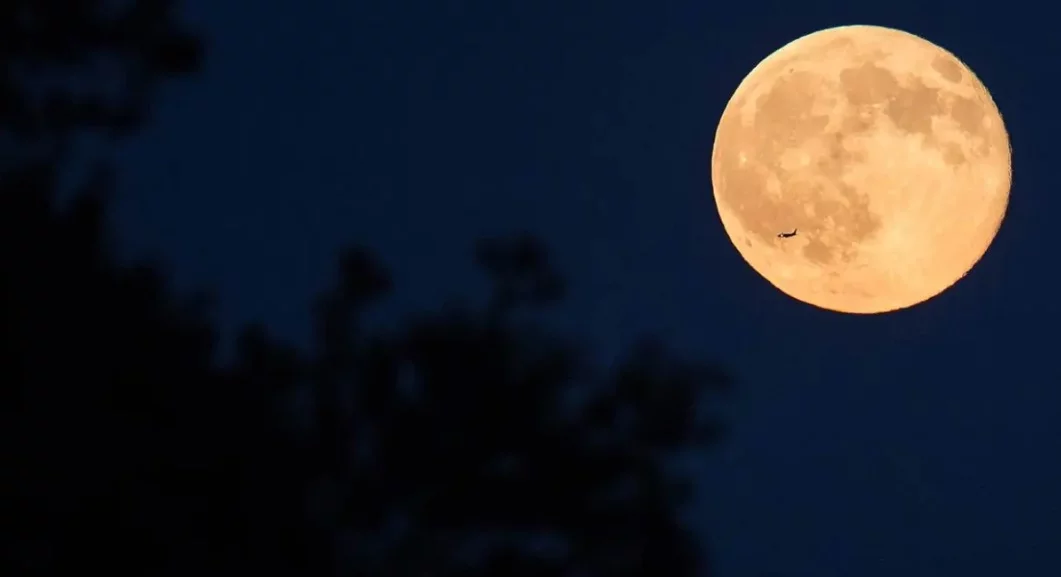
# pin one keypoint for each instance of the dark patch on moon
(969, 115)
(783, 116)
(852, 221)
(868, 84)
(838, 44)
(947, 68)
(838, 155)
(911, 107)
(953, 155)
(817, 251)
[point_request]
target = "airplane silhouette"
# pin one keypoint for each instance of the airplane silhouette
(788, 234)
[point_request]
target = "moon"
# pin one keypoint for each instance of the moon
(882, 151)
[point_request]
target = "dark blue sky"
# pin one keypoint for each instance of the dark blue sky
(925, 442)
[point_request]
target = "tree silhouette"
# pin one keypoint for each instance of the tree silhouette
(472, 446)
(460, 442)
(72, 66)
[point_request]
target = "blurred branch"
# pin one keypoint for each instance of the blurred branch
(74, 66)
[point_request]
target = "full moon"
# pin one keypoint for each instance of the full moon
(861, 169)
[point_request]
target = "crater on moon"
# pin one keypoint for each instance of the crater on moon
(873, 144)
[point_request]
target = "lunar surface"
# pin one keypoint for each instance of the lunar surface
(881, 151)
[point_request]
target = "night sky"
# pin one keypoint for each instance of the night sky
(923, 442)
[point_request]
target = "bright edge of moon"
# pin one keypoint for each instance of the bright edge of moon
(883, 152)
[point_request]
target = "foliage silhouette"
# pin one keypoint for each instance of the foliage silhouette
(72, 66)
(468, 431)
(461, 442)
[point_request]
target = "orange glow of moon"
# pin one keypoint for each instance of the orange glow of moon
(881, 151)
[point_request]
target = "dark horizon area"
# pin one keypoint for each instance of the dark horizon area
(920, 442)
